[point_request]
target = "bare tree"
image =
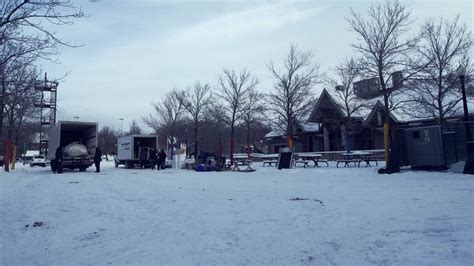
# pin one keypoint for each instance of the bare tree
(195, 100)
(252, 113)
(107, 139)
(14, 75)
(34, 16)
(292, 96)
(134, 128)
(346, 74)
(445, 49)
(216, 134)
(233, 92)
(167, 114)
(384, 49)
(24, 32)
(24, 36)
(17, 82)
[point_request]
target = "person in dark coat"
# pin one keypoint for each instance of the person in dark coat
(161, 159)
(58, 164)
(97, 159)
(153, 158)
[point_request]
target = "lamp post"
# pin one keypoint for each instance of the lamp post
(466, 115)
(121, 126)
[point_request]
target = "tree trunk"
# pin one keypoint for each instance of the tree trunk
(196, 129)
(9, 143)
(220, 143)
(248, 144)
(3, 145)
(232, 144)
(386, 126)
(2, 98)
(171, 152)
(289, 134)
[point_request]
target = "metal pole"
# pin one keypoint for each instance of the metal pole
(121, 126)
(466, 115)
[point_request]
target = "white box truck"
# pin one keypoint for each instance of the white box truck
(67, 133)
(135, 150)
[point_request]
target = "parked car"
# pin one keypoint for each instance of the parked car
(38, 160)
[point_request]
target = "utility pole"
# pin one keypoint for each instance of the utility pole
(466, 116)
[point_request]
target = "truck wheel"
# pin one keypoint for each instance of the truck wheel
(127, 165)
(116, 164)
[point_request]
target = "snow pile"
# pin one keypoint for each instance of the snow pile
(75, 150)
(457, 167)
(303, 216)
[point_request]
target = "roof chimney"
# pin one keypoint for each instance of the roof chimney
(397, 80)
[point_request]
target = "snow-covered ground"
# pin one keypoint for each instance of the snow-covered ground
(325, 216)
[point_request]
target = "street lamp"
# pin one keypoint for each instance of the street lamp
(121, 126)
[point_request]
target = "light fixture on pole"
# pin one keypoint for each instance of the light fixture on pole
(121, 125)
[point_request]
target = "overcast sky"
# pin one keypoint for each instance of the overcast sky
(136, 50)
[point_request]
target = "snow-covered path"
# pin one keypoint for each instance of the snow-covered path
(337, 216)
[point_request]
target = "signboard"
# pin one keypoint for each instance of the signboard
(171, 140)
(285, 160)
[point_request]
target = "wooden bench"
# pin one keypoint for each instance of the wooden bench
(300, 161)
(348, 161)
(270, 162)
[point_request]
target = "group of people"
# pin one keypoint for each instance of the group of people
(158, 159)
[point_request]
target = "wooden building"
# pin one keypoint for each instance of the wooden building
(326, 127)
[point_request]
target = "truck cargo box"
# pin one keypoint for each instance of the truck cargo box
(67, 132)
(132, 148)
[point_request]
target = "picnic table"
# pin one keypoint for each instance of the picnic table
(269, 159)
(306, 157)
(357, 157)
(242, 161)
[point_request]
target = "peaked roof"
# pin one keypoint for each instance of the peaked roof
(325, 95)
(377, 107)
